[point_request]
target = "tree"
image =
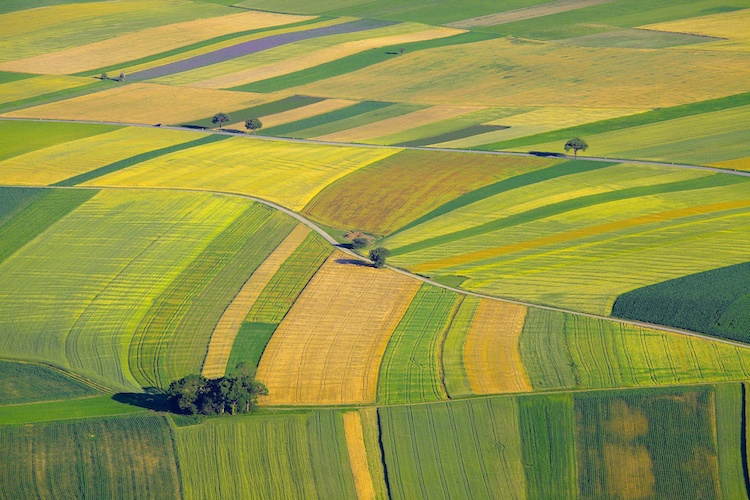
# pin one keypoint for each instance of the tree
(220, 118)
(401, 50)
(121, 78)
(360, 242)
(576, 144)
(378, 256)
(253, 124)
(104, 76)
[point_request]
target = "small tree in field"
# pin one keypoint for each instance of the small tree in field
(253, 124)
(576, 144)
(121, 78)
(360, 242)
(104, 76)
(220, 118)
(378, 256)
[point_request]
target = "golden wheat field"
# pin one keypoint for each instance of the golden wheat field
(327, 350)
(222, 338)
(732, 27)
(355, 444)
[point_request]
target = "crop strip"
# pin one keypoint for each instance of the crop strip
(355, 444)
(222, 339)
(491, 354)
(134, 160)
(273, 107)
(298, 127)
(253, 46)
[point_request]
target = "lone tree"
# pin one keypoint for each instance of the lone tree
(576, 144)
(121, 78)
(360, 242)
(378, 256)
(220, 118)
(253, 124)
(104, 76)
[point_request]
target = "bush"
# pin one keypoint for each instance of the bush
(359, 243)
(378, 256)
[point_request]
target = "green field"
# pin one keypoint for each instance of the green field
(24, 137)
(26, 383)
(454, 371)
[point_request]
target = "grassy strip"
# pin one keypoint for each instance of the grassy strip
(193, 46)
(290, 129)
(729, 440)
(47, 411)
(411, 369)
(355, 62)
(574, 204)
(130, 457)
(139, 158)
(44, 211)
(292, 102)
(654, 116)
(545, 174)
(22, 137)
(13, 199)
(249, 345)
(456, 378)
(452, 136)
(548, 446)
(8, 76)
(60, 95)
(26, 383)
(545, 352)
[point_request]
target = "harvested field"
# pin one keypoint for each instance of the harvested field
(228, 326)
(323, 56)
(286, 173)
(393, 192)
(56, 163)
(329, 347)
(146, 42)
(510, 16)
(134, 103)
(32, 87)
(456, 378)
(301, 113)
(397, 123)
(491, 353)
(252, 46)
(355, 443)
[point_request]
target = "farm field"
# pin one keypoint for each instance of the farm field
(544, 327)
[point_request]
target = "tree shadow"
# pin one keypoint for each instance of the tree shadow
(545, 154)
(354, 262)
(152, 399)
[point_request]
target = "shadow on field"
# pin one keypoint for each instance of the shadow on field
(546, 154)
(151, 400)
(354, 262)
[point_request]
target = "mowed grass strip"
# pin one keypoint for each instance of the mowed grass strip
(401, 188)
(355, 444)
(92, 458)
(276, 299)
(171, 339)
(455, 376)
(582, 352)
(411, 368)
(27, 382)
(72, 159)
(222, 338)
(145, 43)
(300, 455)
(491, 354)
(461, 449)
(285, 173)
(329, 347)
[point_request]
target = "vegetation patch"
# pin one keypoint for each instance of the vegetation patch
(26, 136)
(26, 383)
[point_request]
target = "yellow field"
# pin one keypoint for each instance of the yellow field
(398, 123)
(145, 43)
(226, 329)
(500, 73)
(355, 443)
(317, 108)
(491, 355)
(23, 89)
(322, 56)
(56, 163)
(135, 103)
(538, 121)
(545, 9)
(328, 349)
(290, 174)
(736, 164)
(730, 25)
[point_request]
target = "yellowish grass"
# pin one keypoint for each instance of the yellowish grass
(22, 89)
(300, 113)
(398, 123)
(321, 56)
(328, 348)
(579, 233)
(733, 26)
(355, 443)
(145, 43)
(545, 9)
(491, 356)
(736, 164)
(226, 329)
(287, 173)
(62, 161)
(626, 423)
(629, 470)
(144, 103)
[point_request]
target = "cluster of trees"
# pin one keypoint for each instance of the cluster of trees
(378, 256)
(120, 78)
(195, 394)
(252, 124)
